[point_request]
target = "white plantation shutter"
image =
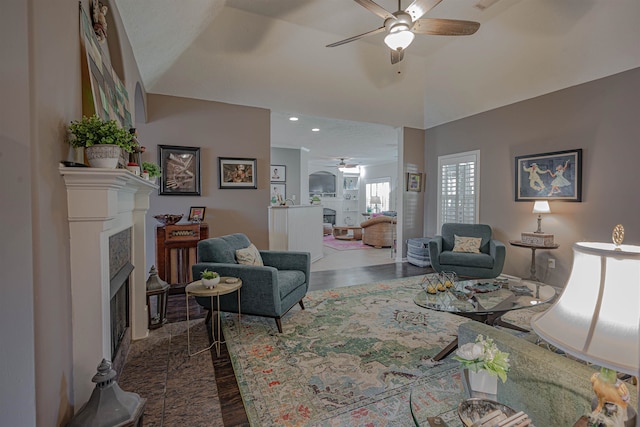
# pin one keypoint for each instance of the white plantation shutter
(458, 184)
(379, 187)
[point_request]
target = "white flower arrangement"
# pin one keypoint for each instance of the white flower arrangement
(484, 354)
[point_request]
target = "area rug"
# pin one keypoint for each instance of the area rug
(350, 358)
(344, 245)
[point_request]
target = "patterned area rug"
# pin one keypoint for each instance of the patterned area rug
(350, 358)
(344, 245)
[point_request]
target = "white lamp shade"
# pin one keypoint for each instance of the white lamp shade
(375, 200)
(541, 206)
(400, 39)
(597, 317)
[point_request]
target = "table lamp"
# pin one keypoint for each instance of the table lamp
(375, 200)
(540, 207)
(597, 319)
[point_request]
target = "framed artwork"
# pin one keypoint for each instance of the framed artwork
(278, 192)
(180, 170)
(196, 214)
(278, 173)
(100, 83)
(236, 172)
(414, 182)
(549, 176)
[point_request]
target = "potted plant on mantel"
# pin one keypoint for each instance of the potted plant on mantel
(150, 171)
(102, 140)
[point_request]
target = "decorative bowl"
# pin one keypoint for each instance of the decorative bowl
(168, 219)
(471, 410)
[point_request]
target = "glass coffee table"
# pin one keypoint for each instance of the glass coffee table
(485, 300)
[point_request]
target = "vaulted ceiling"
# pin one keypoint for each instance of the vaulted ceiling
(272, 54)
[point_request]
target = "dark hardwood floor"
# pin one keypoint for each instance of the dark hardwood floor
(233, 412)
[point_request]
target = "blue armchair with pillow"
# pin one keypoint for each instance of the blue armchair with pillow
(468, 250)
(272, 281)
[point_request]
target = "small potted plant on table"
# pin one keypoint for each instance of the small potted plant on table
(210, 279)
(103, 140)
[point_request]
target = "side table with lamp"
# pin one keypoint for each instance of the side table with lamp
(537, 239)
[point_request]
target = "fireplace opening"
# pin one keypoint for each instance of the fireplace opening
(329, 216)
(119, 307)
(120, 268)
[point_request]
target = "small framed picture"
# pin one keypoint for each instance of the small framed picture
(278, 173)
(414, 182)
(180, 170)
(237, 173)
(196, 214)
(549, 176)
(278, 192)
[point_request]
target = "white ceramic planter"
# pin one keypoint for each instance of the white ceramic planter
(483, 382)
(103, 155)
(210, 283)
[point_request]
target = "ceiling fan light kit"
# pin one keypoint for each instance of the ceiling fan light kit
(399, 39)
(402, 25)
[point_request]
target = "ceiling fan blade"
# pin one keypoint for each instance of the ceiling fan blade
(354, 38)
(445, 27)
(375, 8)
(396, 56)
(418, 8)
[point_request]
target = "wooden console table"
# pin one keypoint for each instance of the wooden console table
(177, 251)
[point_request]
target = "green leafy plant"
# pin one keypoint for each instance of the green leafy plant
(206, 274)
(93, 131)
(152, 169)
(484, 354)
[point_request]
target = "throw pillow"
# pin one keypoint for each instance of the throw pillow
(467, 244)
(249, 256)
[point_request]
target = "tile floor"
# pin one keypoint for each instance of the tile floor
(180, 390)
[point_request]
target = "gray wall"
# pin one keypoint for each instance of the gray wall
(220, 130)
(17, 322)
(601, 117)
(41, 77)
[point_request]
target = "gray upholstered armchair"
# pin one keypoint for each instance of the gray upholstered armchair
(485, 264)
(270, 290)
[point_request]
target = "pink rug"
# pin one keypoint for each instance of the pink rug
(344, 245)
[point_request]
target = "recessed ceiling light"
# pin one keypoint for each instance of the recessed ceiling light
(315, 130)
(293, 119)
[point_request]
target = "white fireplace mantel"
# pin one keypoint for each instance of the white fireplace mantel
(101, 203)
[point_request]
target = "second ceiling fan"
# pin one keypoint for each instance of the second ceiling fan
(403, 24)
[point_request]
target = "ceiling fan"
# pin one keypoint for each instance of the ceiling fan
(403, 24)
(343, 165)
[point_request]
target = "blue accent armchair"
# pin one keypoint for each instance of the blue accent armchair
(484, 265)
(269, 291)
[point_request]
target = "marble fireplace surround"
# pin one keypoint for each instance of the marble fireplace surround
(102, 203)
